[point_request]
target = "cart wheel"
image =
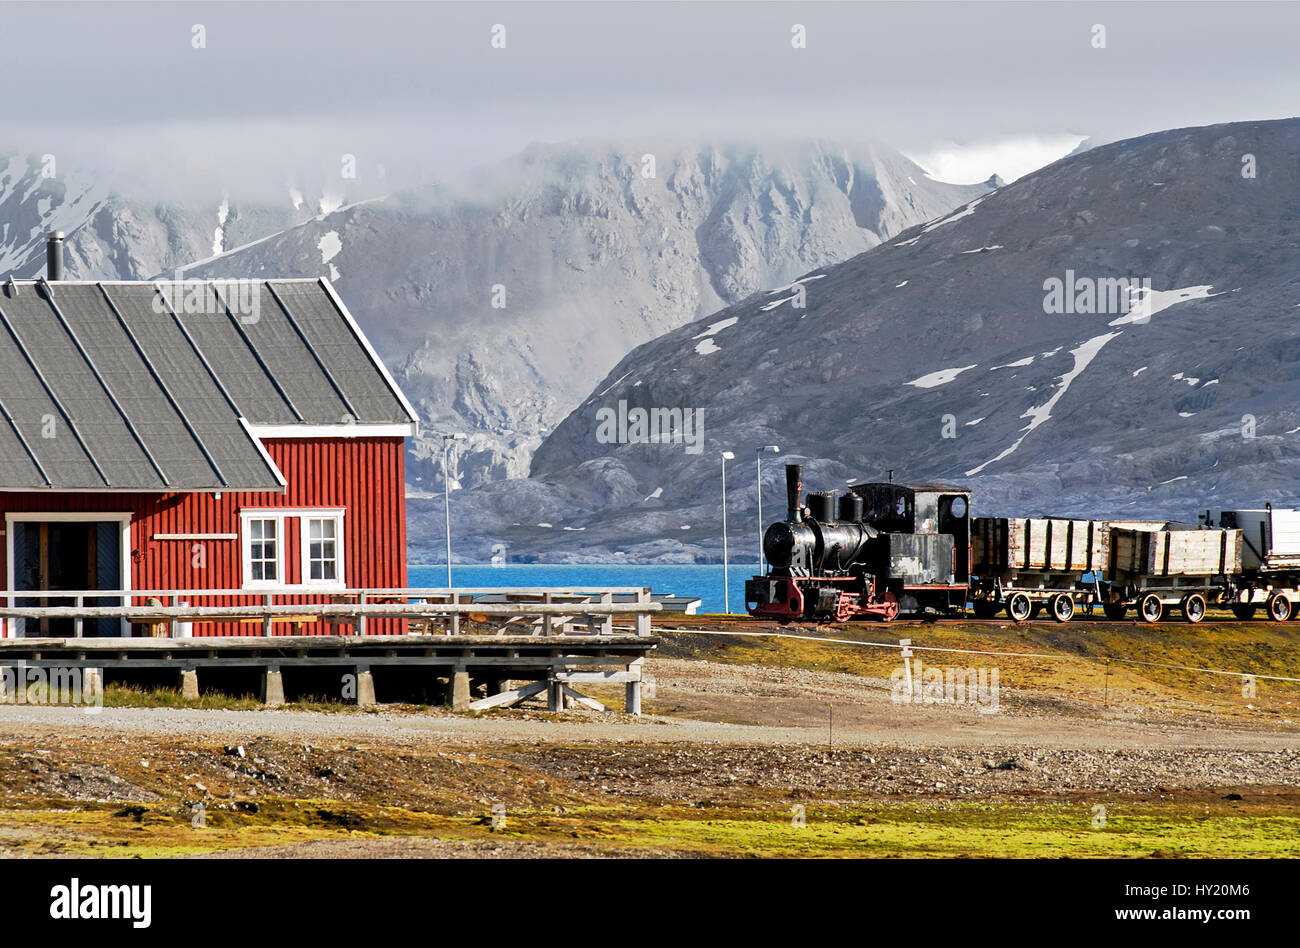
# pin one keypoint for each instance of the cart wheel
(1279, 607)
(1243, 610)
(1062, 606)
(1019, 607)
(1151, 608)
(1193, 607)
(1115, 610)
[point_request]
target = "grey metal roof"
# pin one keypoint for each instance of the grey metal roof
(147, 386)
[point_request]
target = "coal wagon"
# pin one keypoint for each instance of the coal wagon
(1022, 565)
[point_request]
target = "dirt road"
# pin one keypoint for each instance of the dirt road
(806, 708)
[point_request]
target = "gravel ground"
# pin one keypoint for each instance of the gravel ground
(796, 702)
(677, 774)
(1035, 748)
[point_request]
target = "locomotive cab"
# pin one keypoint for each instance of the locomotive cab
(935, 516)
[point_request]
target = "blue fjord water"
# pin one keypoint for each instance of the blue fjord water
(701, 582)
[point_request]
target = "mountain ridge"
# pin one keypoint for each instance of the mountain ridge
(937, 354)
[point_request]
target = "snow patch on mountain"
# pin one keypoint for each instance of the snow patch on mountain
(329, 246)
(1083, 356)
(1019, 363)
(942, 377)
(219, 235)
(966, 211)
(330, 202)
(715, 328)
(1145, 302)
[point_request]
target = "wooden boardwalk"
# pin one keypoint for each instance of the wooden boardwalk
(536, 641)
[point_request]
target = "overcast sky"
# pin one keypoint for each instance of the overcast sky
(966, 88)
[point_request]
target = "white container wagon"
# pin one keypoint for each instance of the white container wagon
(1270, 559)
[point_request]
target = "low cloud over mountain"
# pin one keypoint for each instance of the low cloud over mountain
(1116, 333)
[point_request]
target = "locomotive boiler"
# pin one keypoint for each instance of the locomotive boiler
(871, 553)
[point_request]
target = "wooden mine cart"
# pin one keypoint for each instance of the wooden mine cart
(1180, 565)
(1023, 564)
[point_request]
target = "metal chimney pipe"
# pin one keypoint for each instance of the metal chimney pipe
(794, 492)
(54, 255)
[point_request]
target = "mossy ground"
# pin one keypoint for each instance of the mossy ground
(883, 829)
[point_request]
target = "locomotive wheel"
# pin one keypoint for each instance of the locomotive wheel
(1151, 608)
(1278, 607)
(1019, 608)
(1115, 610)
(1062, 606)
(890, 602)
(985, 608)
(1243, 610)
(1193, 607)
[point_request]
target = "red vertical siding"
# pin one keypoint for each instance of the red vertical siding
(364, 476)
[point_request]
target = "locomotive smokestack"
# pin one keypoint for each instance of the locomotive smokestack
(794, 492)
(54, 255)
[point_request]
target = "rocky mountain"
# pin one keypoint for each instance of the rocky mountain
(501, 298)
(111, 236)
(1117, 333)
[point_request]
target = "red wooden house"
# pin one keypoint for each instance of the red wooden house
(195, 435)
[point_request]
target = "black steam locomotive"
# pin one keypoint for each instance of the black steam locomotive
(889, 548)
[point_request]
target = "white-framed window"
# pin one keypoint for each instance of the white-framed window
(322, 548)
(266, 533)
(263, 546)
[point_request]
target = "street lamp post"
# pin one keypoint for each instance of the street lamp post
(726, 591)
(447, 439)
(765, 449)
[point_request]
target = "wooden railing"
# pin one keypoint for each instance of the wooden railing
(537, 611)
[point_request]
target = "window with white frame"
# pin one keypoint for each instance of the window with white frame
(267, 533)
(322, 543)
(262, 551)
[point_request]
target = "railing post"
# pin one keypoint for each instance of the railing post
(266, 619)
(607, 623)
(79, 629)
(643, 618)
(171, 621)
(455, 616)
(361, 616)
(548, 625)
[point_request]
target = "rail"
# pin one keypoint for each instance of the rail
(538, 610)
